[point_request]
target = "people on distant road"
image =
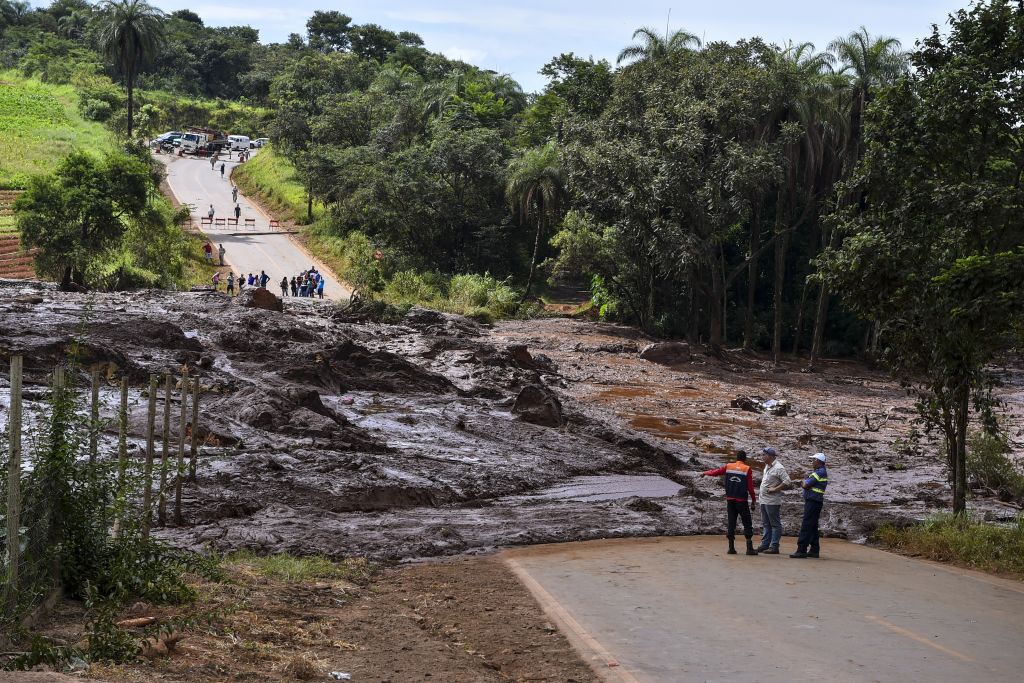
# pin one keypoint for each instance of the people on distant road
(295, 287)
(739, 485)
(808, 542)
(250, 280)
(238, 211)
(210, 213)
(241, 282)
(320, 288)
(774, 480)
(220, 252)
(234, 194)
(222, 169)
(263, 279)
(213, 162)
(284, 286)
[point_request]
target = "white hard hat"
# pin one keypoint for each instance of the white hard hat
(819, 456)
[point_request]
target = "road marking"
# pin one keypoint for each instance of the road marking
(907, 633)
(612, 670)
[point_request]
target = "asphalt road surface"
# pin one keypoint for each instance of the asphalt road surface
(247, 250)
(680, 609)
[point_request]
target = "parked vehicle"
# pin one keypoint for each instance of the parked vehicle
(258, 142)
(202, 141)
(167, 138)
(238, 142)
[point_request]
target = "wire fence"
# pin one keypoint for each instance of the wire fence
(68, 483)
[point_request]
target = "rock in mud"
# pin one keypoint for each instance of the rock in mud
(666, 353)
(255, 297)
(522, 357)
(756, 404)
(539, 405)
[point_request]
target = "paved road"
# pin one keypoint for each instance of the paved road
(248, 251)
(680, 609)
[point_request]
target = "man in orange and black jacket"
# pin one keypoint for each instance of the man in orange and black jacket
(739, 484)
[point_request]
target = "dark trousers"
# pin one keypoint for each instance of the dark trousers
(736, 507)
(809, 526)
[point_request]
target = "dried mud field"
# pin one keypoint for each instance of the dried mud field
(327, 433)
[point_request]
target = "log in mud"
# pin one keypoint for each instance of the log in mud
(323, 431)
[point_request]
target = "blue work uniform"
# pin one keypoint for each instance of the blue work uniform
(814, 499)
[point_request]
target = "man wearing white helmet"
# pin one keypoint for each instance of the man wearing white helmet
(814, 498)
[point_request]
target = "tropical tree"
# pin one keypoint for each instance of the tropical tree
(131, 32)
(73, 25)
(652, 45)
(931, 251)
(536, 190)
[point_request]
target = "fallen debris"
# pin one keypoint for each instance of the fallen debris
(756, 404)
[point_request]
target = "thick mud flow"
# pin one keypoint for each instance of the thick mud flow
(323, 432)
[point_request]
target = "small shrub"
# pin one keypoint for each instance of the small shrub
(291, 568)
(989, 466)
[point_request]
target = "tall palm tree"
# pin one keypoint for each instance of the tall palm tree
(535, 190)
(869, 62)
(508, 89)
(73, 24)
(653, 45)
(131, 32)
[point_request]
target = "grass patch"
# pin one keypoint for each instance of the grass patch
(961, 541)
(7, 224)
(285, 567)
(39, 126)
(198, 272)
(273, 180)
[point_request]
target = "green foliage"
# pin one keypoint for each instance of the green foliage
(39, 125)
(933, 253)
(960, 540)
(988, 464)
(272, 177)
(56, 60)
(292, 568)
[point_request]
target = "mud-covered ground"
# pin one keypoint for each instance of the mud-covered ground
(330, 434)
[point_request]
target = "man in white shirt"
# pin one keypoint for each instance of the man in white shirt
(773, 482)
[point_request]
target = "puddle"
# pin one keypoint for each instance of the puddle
(648, 392)
(608, 487)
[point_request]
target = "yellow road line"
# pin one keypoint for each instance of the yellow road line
(611, 669)
(917, 637)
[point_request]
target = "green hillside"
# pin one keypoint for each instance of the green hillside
(39, 125)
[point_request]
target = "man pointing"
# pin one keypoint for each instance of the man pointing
(739, 485)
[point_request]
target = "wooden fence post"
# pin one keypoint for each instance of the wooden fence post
(122, 455)
(14, 484)
(161, 511)
(193, 455)
(182, 428)
(147, 492)
(94, 417)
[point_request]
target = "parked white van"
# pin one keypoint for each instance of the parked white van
(238, 141)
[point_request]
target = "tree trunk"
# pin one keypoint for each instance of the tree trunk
(715, 312)
(748, 319)
(533, 261)
(309, 200)
(960, 481)
(820, 316)
(692, 328)
(800, 320)
(780, 278)
(131, 89)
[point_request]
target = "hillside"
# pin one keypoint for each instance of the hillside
(39, 124)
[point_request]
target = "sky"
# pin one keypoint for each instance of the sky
(518, 38)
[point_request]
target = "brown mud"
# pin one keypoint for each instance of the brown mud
(328, 433)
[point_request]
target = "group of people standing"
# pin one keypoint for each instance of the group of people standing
(739, 489)
(309, 283)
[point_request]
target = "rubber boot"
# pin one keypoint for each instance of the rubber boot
(732, 547)
(750, 548)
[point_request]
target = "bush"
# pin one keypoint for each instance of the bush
(989, 466)
(959, 540)
(469, 292)
(410, 287)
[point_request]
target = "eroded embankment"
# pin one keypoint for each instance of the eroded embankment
(326, 433)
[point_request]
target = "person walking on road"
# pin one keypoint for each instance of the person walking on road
(295, 287)
(807, 544)
(238, 211)
(213, 162)
(222, 169)
(773, 482)
(320, 288)
(234, 194)
(739, 485)
(220, 252)
(284, 286)
(231, 283)
(210, 213)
